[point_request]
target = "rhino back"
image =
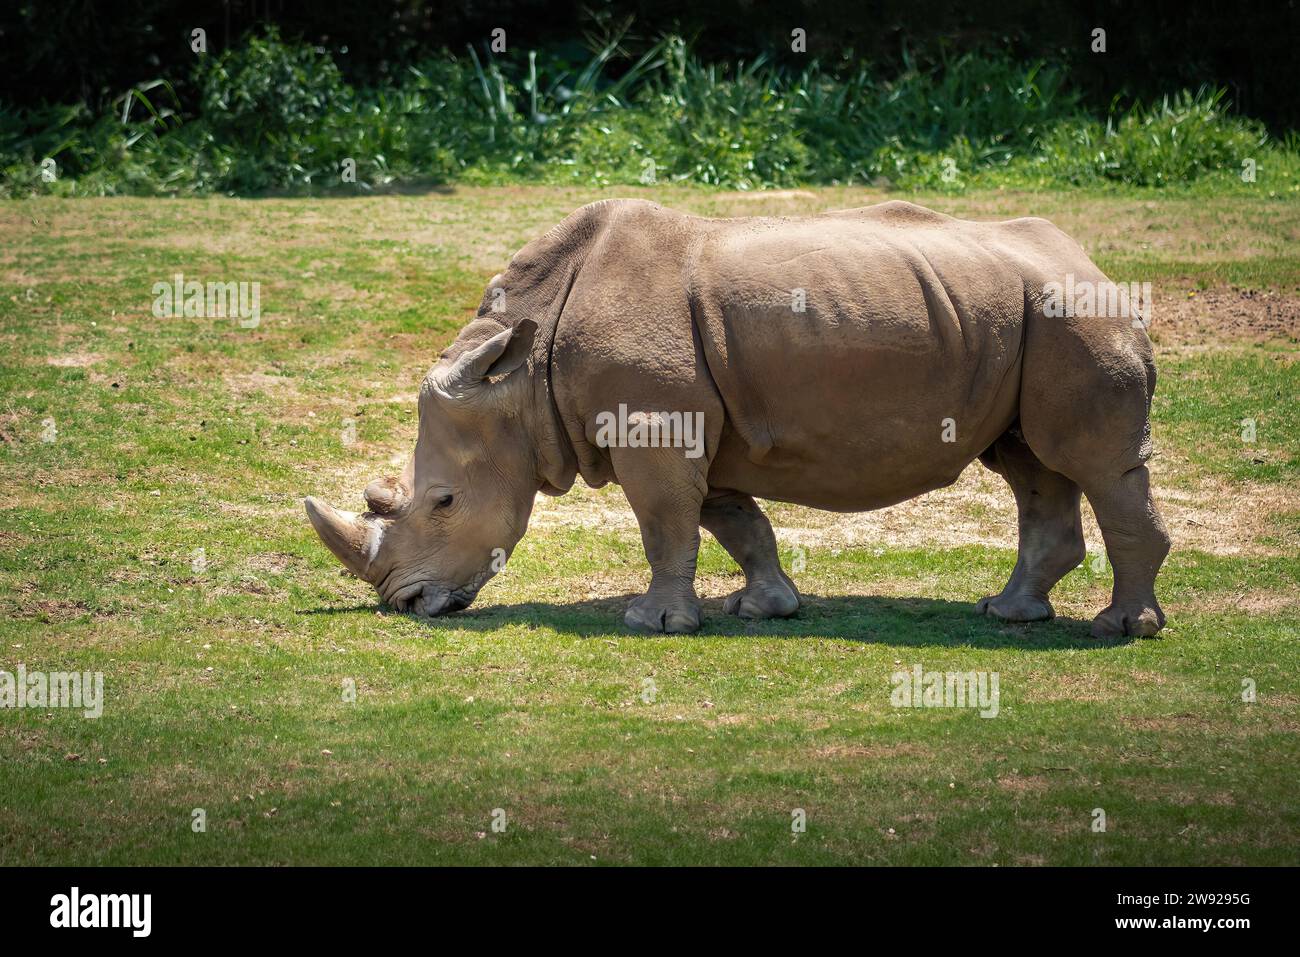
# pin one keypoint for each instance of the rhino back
(844, 361)
(841, 344)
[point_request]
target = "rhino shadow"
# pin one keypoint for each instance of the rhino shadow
(874, 619)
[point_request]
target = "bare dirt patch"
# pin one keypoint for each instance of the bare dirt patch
(1195, 317)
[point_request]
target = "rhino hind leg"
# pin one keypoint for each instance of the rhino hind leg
(1051, 531)
(1136, 543)
(1085, 409)
(740, 526)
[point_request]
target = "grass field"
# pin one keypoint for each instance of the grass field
(129, 442)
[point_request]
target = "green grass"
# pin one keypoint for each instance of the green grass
(1208, 405)
(225, 685)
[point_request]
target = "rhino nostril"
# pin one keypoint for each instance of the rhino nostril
(432, 601)
(427, 600)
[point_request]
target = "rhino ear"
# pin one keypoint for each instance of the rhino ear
(386, 495)
(504, 352)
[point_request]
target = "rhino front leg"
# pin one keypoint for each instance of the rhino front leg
(666, 491)
(740, 526)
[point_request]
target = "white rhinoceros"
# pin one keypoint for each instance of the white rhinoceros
(844, 361)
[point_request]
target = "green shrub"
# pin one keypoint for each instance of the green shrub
(276, 115)
(1177, 140)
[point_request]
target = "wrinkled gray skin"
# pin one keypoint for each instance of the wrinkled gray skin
(912, 318)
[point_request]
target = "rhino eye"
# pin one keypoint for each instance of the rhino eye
(444, 501)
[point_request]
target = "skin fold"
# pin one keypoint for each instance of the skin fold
(845, 361)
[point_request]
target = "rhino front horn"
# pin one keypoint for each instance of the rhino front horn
(352, 539)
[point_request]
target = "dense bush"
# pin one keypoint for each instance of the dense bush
(1176, 140)
(272, 115)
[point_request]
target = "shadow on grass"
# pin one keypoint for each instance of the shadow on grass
(867, 618)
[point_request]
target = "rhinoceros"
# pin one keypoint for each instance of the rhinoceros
(843, 361)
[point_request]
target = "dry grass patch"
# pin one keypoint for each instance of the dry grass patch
(1024, 784)
(872, 751)
(75, 360)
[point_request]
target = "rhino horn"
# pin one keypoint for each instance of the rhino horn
(503, 353)
(353, 540)
(386, 496)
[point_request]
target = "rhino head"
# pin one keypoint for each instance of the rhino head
(433, 536)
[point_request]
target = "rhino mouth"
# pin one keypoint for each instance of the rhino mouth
(429, 599)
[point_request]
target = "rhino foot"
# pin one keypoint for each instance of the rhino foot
(651, 614)
(1016, 607)
(763, 599)
(1140, 621)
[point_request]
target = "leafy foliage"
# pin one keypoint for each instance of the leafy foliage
(273, 115)
(1176, 140)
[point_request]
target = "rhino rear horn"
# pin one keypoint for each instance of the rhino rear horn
(352, 540)
(386, 495)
